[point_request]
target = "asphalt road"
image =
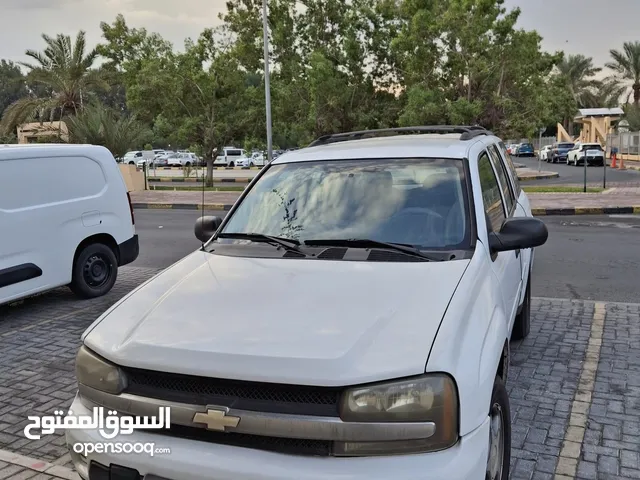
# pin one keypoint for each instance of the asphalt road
(573, 175)
(586, 257)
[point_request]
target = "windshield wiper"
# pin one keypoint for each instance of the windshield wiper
(368, 243)
(287, 243)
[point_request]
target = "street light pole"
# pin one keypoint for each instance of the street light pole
(267, 79)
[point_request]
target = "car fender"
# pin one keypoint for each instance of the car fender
(470, 342)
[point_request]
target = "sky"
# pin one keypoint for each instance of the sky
(589, 27)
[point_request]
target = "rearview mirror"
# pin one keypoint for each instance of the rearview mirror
(518, 234)
(206, 227)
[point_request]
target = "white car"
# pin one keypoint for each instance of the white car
(376, 342)
(544, 153)
(592, 152)
(229, 156)
(71, 225)
(133, 157)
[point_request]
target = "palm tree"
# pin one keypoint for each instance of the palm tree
(64, 70)
(577, 73)
(98, 125)
(626, 65)
(608, 94)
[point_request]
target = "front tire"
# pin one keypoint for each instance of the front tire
(499, 458)
(95, 271)
(522, 325)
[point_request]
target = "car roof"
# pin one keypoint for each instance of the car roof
(445, 145)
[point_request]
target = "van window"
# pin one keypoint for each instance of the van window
(56, 181)
(234, 153)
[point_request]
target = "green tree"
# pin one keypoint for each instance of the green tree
(578, 72)
(98, 125)
(65, 69)
(205, 104)
(626, 65)
(12, 84)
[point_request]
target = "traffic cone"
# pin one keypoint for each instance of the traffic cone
(621, 167)
(613, 160)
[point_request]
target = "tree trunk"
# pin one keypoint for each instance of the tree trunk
(209, 179)
(636, 94)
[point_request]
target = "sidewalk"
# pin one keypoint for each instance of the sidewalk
(617, 200)
(13, 465)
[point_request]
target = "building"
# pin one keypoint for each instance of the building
(45, 131)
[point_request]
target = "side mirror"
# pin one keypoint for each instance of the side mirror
(518, 234)
(206, 227)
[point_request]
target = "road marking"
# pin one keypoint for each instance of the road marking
(574, 436)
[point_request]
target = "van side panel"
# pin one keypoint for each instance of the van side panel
(50, 201)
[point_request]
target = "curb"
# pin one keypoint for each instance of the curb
(182, 206)
(537, 212)
(538, 177)
(197, 180)
(542, 212)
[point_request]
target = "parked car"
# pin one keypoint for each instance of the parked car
(544, 153)
(592, 152)
(132, 157)
(512, 149)
(229, 156)
(525, 150)
(559, 152)
(72, 224)
(378, 327)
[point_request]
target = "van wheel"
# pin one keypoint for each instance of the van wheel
(522, 325)
(231, 164)
(188, 164)
(499, 433)
(94, 271)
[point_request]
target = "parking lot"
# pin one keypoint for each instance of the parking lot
(574, 383)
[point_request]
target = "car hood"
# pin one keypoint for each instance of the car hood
(311, 322)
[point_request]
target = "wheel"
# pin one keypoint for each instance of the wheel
(499, 433)
(522, 325)
(131, 163)
(188, 164)
(94, 272)
(251, 165)
(231, 164)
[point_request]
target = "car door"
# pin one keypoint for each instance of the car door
(499, 206)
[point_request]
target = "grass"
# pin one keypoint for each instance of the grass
(561, 189)
(195, 188)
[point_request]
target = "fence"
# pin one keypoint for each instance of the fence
(627, 143)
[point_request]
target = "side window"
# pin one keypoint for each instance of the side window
(503, 176)
(512, 169)
(491, 197)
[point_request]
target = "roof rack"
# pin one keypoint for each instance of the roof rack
(466, 133)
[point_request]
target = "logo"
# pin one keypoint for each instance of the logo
(216, 420)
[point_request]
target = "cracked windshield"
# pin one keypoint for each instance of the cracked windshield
(415, 202)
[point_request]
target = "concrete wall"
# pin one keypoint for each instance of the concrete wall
(30, 132)
(133, 178)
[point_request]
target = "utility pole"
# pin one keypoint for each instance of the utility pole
(267, 79)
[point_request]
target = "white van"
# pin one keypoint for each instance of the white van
(229, 157)
(65, 219)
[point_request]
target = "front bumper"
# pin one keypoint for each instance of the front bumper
(198, 460)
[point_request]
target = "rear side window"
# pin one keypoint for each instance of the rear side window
(512, 170)
(491, 198)
(234, 153)
(505, 186)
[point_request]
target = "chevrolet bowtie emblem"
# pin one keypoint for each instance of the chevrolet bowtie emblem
(216, 420)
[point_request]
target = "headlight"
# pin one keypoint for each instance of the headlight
(97, 373)
(429, 399)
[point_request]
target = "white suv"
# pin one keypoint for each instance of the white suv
(388, 275)
(592, 152)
